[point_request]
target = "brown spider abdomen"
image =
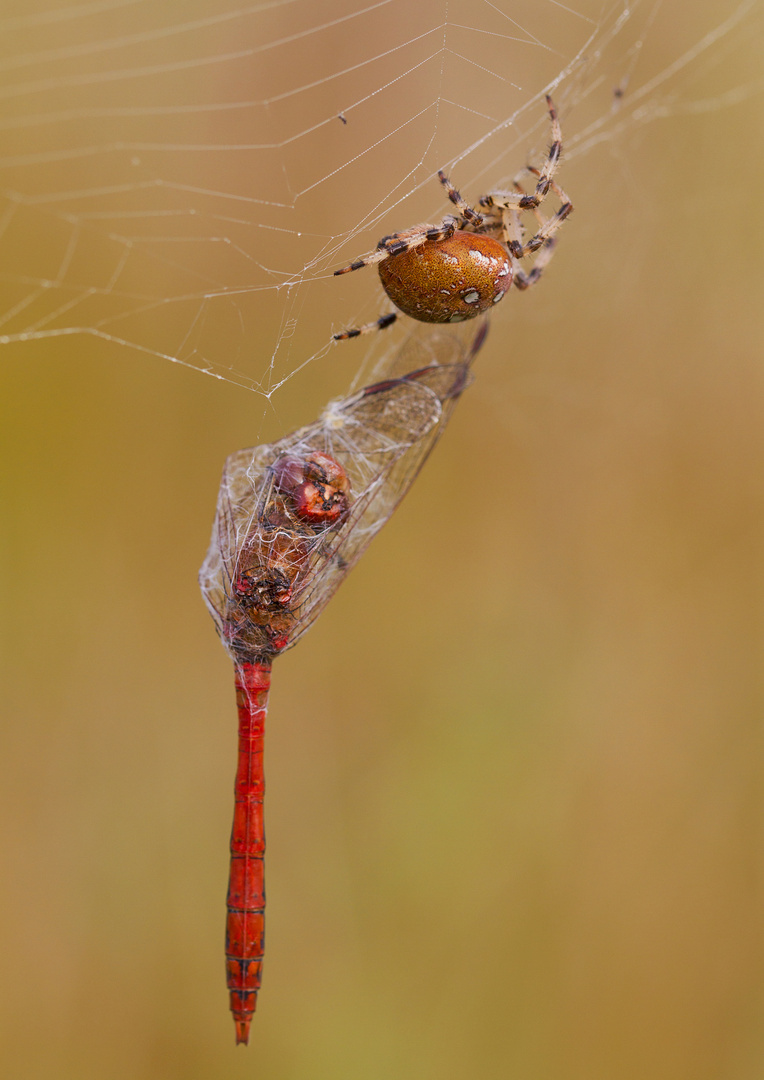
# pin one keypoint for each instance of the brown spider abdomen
(448, 280)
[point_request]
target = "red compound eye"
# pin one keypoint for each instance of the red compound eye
(448, 280)
(317, 485)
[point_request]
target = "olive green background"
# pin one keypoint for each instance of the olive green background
(514, 772)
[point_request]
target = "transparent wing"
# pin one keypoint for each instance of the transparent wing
(269, 570)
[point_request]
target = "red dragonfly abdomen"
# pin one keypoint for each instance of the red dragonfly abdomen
(245, 925)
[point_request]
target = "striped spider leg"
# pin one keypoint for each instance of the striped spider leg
(510, 205)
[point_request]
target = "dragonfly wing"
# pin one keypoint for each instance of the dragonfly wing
(380, 437)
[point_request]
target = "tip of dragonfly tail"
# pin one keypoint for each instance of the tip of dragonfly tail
(242, 1029)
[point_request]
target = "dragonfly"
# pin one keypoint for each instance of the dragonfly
(292, 519)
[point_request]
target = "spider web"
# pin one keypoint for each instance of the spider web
(186, 187)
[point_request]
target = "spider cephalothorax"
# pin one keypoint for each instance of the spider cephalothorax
(462, 267)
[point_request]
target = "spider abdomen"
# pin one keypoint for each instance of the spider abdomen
(449, 280)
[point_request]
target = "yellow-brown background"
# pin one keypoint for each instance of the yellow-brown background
(514, 772)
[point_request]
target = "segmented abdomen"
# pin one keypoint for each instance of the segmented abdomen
(245, 924)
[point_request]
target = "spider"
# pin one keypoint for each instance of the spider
(462, 267)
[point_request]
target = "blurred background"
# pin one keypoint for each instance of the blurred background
(515, 770)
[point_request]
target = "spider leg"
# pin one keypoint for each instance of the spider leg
(519, 250)
(549, 167)
(468, 214)
(513, 235)
(548, 227)
(555, 187)
(397, 243)
(545, 175)
(379, 324)
(524, 281)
